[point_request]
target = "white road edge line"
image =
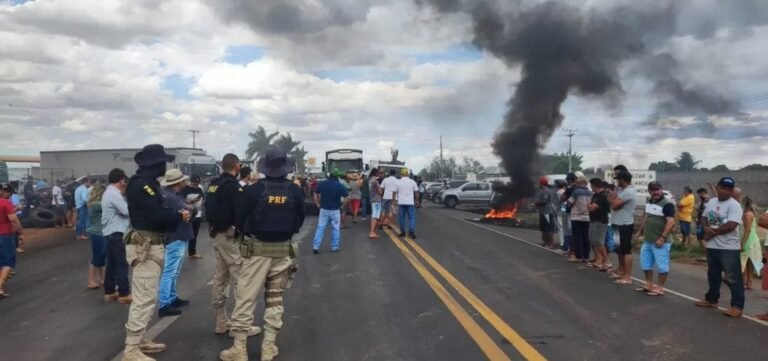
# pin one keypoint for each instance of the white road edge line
(154, 331)
(556, 252)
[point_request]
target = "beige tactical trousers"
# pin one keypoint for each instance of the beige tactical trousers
(257, 271)
(146, 278)
(228, 260)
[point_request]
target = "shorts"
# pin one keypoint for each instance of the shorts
(7, 251)
(597, 232)
(651, 255)
(386, 205)
(354, 205)
(625, 238)
(699, 233)
(547, 223)
(685, 228)
(376, 210)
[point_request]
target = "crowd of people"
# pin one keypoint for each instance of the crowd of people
(389, 195)
(581, 217)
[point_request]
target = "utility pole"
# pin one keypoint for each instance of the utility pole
(570, 133)
(194, 137)
(440, 168)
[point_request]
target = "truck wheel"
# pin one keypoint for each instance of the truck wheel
(42, 218)
(451, 202)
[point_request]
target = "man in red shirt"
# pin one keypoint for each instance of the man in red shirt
(10, 227)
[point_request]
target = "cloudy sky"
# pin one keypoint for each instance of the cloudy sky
(368, 74)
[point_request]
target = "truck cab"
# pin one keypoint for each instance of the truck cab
(345, 160)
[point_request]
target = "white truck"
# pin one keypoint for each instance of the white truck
(77, 163)
(385, 166)
(345, 160)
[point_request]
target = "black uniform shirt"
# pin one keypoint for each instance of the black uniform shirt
(231, 196)
(253, 193)
(147, 208)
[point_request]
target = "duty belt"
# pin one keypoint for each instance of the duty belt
(144, 240)
(137, 237)
(250, 247)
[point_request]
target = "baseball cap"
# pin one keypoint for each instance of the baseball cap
(727, 182)
(654, 185)
(544, 181)
(570, 177)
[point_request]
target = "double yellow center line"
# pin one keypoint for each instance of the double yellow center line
(490, 348)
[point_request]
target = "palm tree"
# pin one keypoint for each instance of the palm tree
(286, 143)
(298, 154)
(260, 142)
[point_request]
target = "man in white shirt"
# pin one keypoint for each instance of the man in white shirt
(407, 195)
(57, 201)
(388, 185)
(721, 220)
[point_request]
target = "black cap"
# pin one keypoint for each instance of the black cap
(596, 182)
(727, 182)
(570, 177)
(654, 185)
(194, 178)
(153, 154)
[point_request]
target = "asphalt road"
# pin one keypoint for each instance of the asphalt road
(461, 291)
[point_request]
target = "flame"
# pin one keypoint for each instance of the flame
(506, 212)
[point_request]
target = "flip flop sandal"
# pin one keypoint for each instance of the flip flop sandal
(643, 289)
(655, 293)
(613, 276)
(4, 295)
(622, 282)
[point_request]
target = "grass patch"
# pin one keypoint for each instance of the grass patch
(687, 254)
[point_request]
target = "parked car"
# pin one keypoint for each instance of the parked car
(450, 185)
(432, 190)
(472, 193)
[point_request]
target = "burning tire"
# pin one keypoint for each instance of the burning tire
(451, 202)
(42, 218)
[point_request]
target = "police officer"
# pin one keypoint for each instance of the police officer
(150, 219)
(225, 198)
(275, 212)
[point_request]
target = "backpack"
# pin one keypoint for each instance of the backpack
(217, 210)
(275, 211)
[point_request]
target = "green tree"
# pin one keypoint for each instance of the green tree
(686, 162)
(663, 166)
(286, 142)
(720, 168)
(436, 171)
(755, 166)
(557, 163)
(470, 165)
(299, 153)
(260, 142)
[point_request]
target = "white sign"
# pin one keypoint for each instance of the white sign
(640, 179)
(471, 176)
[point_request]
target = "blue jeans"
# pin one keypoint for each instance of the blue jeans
(82, 221)
(728, 261)
(410, 210)
(333, 216)
(116, 275)
(610, 244)
(98, 250)
(174, 259)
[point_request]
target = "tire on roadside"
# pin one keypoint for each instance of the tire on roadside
(42, 218)
(451, 202)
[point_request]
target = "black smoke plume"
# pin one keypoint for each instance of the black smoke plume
(564, 49)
